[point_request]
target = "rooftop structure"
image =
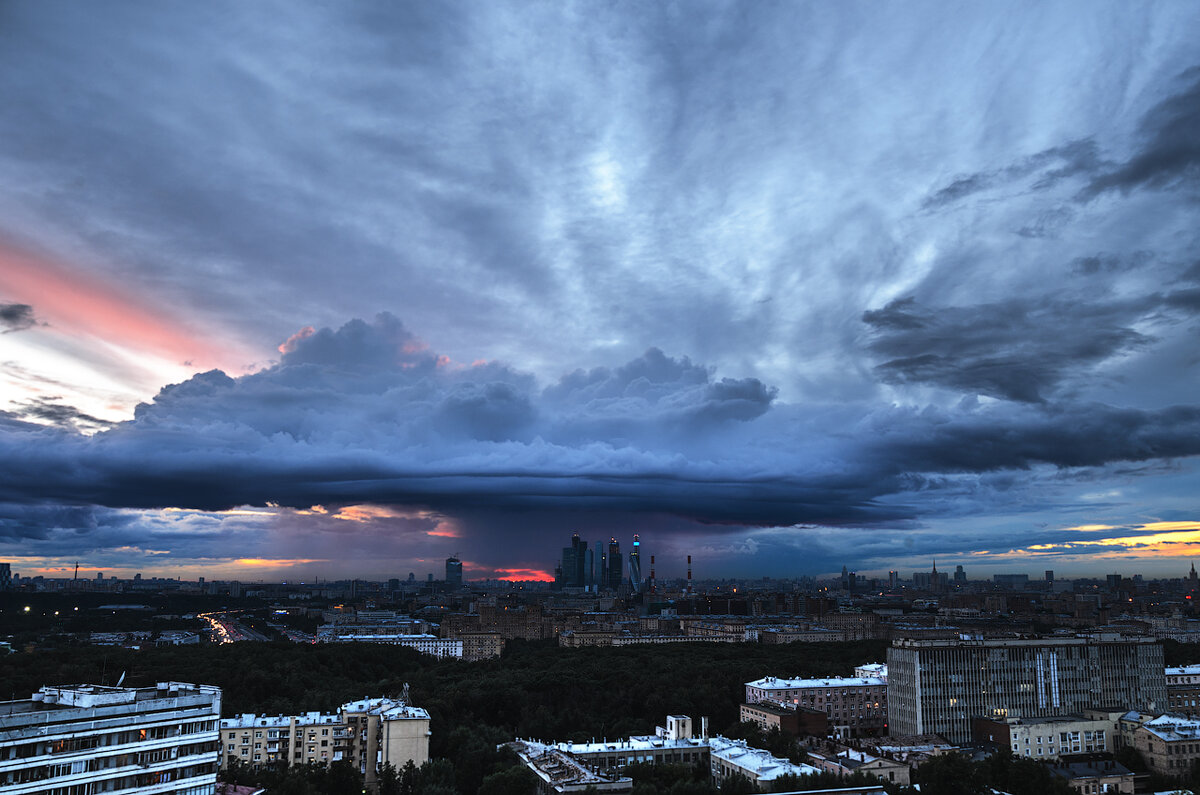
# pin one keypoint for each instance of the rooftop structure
(559, 772)
(733, 757)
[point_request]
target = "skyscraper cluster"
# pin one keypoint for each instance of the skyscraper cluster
(600, 567)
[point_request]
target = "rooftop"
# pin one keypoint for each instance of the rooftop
(774, 682)
(758, 762)
(1172, 727)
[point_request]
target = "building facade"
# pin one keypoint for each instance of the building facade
(855, 706)
(733, 757)
(89, 738)
(939, 685)
(1170, 744)
(789, 718)
(1046, 738)
(370, 733)
(1183, 689)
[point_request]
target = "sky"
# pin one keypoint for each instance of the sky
(299, 291)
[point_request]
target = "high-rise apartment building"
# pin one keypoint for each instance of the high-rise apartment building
(89, 738)
(940, 685)
(454, 579)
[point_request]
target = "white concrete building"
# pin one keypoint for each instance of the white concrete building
(83, 739)
(441, 648)
(370, 733)
(872, 671)
(731, 757)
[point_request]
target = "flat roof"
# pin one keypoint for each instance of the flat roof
(776, 683)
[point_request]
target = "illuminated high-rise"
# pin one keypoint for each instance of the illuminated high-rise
(635, 565)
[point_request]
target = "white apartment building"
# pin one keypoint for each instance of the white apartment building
(370, 733)
(442, 648)
(87, 739)
(731, 757)
(1047, 738)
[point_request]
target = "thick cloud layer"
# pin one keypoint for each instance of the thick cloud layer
(366, 415)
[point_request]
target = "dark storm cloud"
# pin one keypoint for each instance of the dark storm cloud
(1170, 152)
(52, 412)
(1049, 167)
(1019, 349)
(16, 317)
(371, 428)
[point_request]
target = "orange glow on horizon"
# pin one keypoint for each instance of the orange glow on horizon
(265, 562)
(519, 575)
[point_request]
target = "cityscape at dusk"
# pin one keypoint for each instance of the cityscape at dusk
(324, 292)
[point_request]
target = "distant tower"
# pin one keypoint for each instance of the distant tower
(454, 579)
(893, 579)
(615, 568)
(653, 587)
(960, 576)
(689, 580)
(574, 563)
(635, 565)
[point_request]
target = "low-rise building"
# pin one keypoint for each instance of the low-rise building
(1046, 738)
(89, 738)
(1183, 689)
(848, 761)
(426, 644)
(854, 705)
(1087, 776)
(734, 757)
(559, 772)
(370, 733)
(678, 743)
(1170, 743)
(479, 645)
(789, 718)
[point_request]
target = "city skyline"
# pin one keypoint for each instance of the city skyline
(350, 290)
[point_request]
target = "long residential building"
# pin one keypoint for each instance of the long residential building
(370, 733)
(940, 685)
(1047, 738)
(82, 739)
(854, 705)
